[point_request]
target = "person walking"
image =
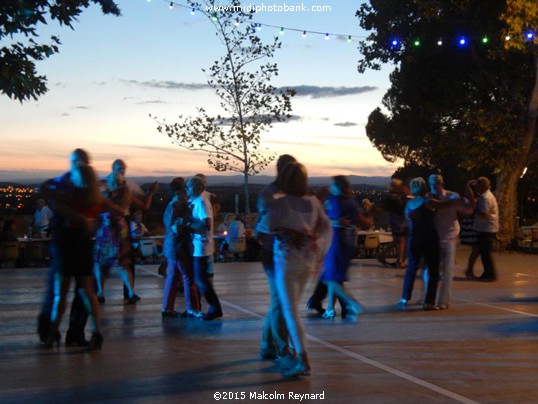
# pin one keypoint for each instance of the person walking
(302, 233)
(201, 227)
(486, 223)
(343, 212)
(55, 189)
(177, 249)
(80, 208)
(275, 342)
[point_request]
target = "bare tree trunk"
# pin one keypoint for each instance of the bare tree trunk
(247, 199)
(507, 181)
(506, 191)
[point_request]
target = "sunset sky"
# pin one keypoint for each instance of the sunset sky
(112, 72)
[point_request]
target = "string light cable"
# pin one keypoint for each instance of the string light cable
(259, 25)
(394, 43)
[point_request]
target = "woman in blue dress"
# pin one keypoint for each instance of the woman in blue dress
(342, 209)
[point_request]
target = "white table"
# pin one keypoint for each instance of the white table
(385, 237)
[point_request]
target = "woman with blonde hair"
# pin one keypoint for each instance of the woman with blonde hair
(302, 233)
(112, 240)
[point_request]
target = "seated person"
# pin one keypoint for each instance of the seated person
(223, 227)
(366, 215)
(137, 228)
(236, 229)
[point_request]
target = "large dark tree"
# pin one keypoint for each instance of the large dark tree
(19, 23)
(455, 106)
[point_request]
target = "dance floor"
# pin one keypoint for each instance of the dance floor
(483, 349)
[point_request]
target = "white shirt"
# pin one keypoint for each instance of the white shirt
(42, 217)
(486, 204)
(203, 243)
(235, 230)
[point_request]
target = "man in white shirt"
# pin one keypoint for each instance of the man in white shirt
(201, 226)
(486, 223)
(42, 217)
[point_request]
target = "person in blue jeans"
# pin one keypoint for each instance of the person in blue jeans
(275, 342)
(201, 226)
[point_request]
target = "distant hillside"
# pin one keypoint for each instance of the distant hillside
(380, 182)
(265, 179)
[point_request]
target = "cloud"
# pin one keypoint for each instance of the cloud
(326, 92)
(167, 84)
(345, 124)
(151, 102)
(302, 90)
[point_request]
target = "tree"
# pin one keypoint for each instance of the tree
(18, 74)
(241, 79)
(471, 105)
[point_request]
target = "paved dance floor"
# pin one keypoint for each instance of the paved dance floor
(483, 349)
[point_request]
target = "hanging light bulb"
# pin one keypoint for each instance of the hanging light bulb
(171, 6)
(440, 42)
(462, 41)
(236, 23)
(327, 37)
(529, 35)
(394, 42)
(349, 39)
(485, 40)
(193, 11)
(258, 27)
(281, 31)
(214, 17)
(304, 34)
(507, 38)
(416, 42)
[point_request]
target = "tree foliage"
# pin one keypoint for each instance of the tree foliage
(19, 78)
(250, 103)
(451, 105)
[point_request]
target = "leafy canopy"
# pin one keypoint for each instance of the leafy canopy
(448, 104)
(20, 19)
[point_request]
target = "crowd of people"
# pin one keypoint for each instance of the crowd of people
(299, 233)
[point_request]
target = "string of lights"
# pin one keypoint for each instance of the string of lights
(281, 29)
(395, 42)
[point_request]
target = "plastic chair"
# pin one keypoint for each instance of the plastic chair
(237, 247)
(148, 250)
(370, 245)
(9, 252)
(35, 254)
(534, 237)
